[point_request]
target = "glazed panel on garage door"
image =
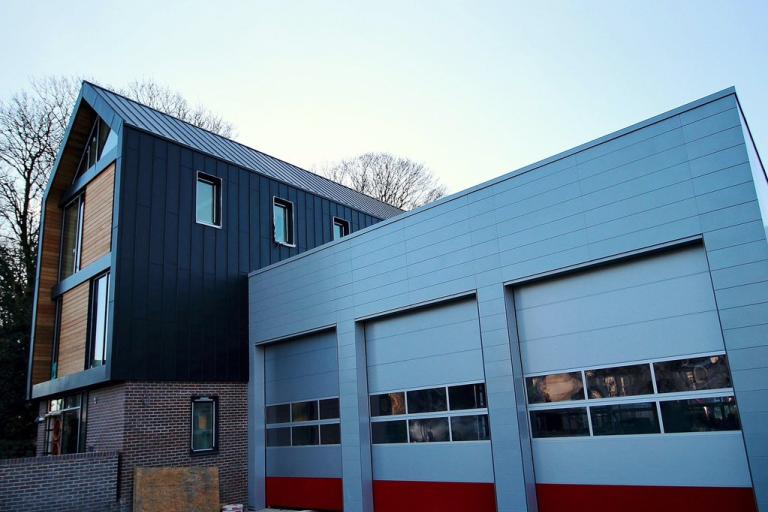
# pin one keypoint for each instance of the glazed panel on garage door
(628, 386)
(302, 420)
(431, 445)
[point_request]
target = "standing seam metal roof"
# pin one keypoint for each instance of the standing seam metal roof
(163, 125)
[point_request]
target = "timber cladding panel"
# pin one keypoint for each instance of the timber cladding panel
(74, 330)
(97, 220)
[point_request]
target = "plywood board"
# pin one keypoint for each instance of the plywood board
(189, 489)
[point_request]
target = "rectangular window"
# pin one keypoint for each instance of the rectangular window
(385, 432)
(279, 436)
(470, 428)
(71, 237)
(208, 200)
(620, 381)
(203, 424)
(64, 429)
(279, 413)
(567, 422)
(282, 212)
(98, 319)
(469, 396)
(693, 374)
(388, 404)
(330, 434)
(329, 409)
(622, 419)
(340, 228)
(427, 400)
(304, 411)
(306, 435)
(429, 430)
(556, 387)
(700, 414)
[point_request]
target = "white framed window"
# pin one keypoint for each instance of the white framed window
(282, 221)
(208, 200)
(340, 228)
(204, 429)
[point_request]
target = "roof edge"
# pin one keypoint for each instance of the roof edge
(513, 174)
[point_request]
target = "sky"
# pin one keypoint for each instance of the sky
(471, 89)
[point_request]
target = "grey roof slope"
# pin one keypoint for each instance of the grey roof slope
(163, 125)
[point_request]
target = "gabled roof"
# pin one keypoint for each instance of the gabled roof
(168, 127)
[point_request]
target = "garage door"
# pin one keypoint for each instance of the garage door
(431, 447)
(303, 459)
(628, 385)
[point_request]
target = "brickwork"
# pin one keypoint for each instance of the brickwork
(77, 482)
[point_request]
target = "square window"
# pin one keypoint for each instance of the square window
(427, 400)
(208, 200)
(305, 435)
(203, 424)
(330, 434)
(469, 396)
(282, 215)
(329, 409)
(340, 228)
(279, 413)
(388, 404)
(304, 411)
(386, 432)
(470, 428)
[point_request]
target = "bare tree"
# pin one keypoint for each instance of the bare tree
(32, 126)
(395, 180)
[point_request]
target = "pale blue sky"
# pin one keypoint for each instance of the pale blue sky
(472, 89)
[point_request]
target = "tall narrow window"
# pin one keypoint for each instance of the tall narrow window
(71, 237)
(340, 228)
(100, 140)
(203, 424)
(98, 319)
(282, 212)
(208, 200)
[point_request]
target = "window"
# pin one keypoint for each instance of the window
(557, 387)
(468, 396)
(427, 400)
(71, 237)
(340, 228)
(208, 200)
(100, 140)
(420, 424)
(203, 424)
(620, 381)
(98, 320)
(64, 428)
(691, 394)
(566, 422)
(388, 404)
(385, 432)
(693, 374)
(619, 419)
(282, 212)
(305, 423)
(700, 415)
(428, 430)
(470, 428)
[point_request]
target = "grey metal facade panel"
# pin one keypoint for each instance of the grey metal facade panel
(180, 286)
(150, 120)
(304, 462)
(466, 242)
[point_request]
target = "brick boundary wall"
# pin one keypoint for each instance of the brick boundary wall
(77, 482)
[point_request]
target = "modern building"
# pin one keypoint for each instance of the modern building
(150, 226)
(589, 332)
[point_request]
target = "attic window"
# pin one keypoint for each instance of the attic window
(100, 140)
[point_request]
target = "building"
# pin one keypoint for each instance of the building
(150, 226)
(589, 332)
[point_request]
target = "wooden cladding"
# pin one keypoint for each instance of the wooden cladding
(97, 219)
(74, 330)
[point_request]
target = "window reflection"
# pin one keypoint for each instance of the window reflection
(557, 387)
(470, 428)
(304, 411)
(388, 404)
(621, 419)
(700, 415)
(619, 381)
(428, 430)
(692, 374)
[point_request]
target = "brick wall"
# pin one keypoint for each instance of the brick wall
(77, 482)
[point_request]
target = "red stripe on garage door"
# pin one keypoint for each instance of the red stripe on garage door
(610, 498)
(305, 493)
(389, 496)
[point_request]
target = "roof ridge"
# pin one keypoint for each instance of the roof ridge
(110, 91)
